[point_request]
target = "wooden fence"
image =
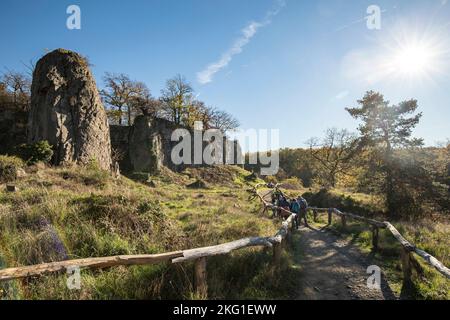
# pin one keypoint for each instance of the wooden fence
(407, 249)
(199, 255)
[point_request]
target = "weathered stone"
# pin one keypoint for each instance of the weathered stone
(21, 173)
(11, 188)
(148, 145)
(66, 110)
(198, 184)
(145, 147)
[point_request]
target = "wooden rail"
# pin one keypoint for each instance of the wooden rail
(92, 263)
(198, 256)
(407, 248)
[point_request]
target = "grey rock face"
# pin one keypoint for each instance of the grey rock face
(66, 110)
(145, 146)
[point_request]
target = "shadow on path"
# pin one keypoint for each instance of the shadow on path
(334, 269)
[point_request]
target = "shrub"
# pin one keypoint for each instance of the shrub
(37, 152)
(93, 175)
(293, 183)
(9, 167)
(326, 199)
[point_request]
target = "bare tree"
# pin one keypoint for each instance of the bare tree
(334, 153)
(223, 121)
(19, 85)
(145, 104)
(177, 98)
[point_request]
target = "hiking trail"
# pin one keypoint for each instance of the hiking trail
(332, 268)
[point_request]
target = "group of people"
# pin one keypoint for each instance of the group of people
(285, 207)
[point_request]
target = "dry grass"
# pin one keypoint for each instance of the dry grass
(61, 213)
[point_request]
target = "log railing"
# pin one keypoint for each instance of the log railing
(198, 256)
(408, 261)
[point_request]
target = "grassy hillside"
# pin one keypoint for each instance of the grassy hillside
(67, 213)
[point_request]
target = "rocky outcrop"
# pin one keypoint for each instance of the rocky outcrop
(145, 146)
(66, 110)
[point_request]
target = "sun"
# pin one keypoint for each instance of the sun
(413, 60)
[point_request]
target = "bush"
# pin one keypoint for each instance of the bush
(37, 152)
(326, 199)
(9, 167)
(293, 183)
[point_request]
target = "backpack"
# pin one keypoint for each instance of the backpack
(303, 204)
(295, 207)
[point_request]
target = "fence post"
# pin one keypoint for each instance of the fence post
(375, 231)
(344, 221)
(330, 216)
(277, 248)
(406, 266)
(200, 278)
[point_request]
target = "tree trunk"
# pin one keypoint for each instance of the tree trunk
(390, 192)
(120, 116)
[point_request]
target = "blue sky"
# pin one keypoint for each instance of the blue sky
(291, 65)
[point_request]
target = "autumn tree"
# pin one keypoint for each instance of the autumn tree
(124, 97)
(334, 154)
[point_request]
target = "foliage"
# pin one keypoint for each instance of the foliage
(9, 167)
(334, 155)
(125, 98)
(37, 152)
(385, 127)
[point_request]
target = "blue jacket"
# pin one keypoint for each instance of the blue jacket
(295, 207)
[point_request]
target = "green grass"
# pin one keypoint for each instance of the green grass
(83, 212)
(78, 212)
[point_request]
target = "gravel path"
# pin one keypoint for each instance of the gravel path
(333, 269)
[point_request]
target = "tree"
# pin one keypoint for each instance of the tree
(197, 111)
(124, 96)
(334, 154)
(177, 98)
(223, 121)
(384, 128)
(147, 105)
(142, 102)
(19, 85)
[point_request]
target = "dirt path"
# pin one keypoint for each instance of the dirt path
(333, 269)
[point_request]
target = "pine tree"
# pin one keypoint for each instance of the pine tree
(384, 128)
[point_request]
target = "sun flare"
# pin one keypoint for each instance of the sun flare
(414, 60)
